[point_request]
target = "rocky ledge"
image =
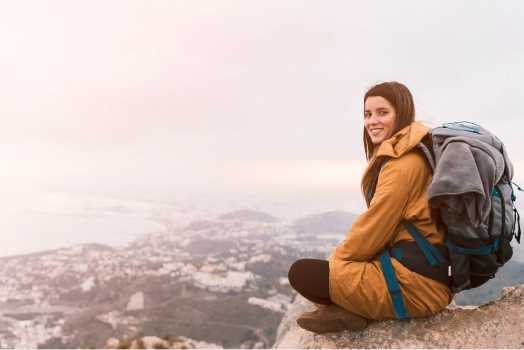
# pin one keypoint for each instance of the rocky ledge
(152, 342)
(497, 324)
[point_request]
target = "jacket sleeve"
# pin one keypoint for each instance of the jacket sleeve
(377, 226)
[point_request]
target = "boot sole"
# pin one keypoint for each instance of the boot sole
(346, 322)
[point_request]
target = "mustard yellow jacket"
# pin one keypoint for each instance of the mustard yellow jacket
(356, 281)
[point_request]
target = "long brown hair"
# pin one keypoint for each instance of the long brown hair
(401, 99)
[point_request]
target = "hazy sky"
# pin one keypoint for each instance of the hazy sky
(207, 94)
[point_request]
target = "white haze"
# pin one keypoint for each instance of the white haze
(233, 99)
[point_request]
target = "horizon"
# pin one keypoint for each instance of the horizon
(233, 102)
(50, 220)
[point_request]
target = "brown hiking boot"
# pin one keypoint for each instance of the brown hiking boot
(331, 318)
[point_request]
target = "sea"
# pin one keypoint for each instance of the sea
(32, 221)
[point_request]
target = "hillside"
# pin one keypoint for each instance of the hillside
(337, 222)
(248, 215)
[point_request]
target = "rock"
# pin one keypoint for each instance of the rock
(496, 324)
(288, 322)
(150, 343)
(112, 343)
(156, 343)
(187, 343)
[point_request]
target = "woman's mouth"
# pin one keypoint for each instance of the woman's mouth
(375, 131)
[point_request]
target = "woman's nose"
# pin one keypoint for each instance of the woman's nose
(372, 119)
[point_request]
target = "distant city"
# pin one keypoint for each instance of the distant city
(89, 294)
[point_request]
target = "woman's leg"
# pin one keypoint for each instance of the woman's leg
(310, 278)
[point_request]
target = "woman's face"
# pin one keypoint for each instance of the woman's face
(379, 118)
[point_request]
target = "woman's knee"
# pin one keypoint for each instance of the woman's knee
(294, 273)
(304, 270)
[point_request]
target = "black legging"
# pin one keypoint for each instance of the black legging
(310, 278)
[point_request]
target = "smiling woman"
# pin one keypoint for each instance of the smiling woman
(351, 285)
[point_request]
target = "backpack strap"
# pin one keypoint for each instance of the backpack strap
(428, 154)
(393, 286)
(409, 254)
(431, 253)
(478, 251)
(374, 187)
(516, 219)
(516, 216)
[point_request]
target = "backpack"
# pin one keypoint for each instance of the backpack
(474, 251)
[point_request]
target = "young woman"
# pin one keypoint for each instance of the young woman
(351, 285)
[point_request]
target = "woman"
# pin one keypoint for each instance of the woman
(350, 284)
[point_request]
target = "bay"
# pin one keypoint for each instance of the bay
(37, 221)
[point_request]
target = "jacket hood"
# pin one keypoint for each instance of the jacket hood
(403, 141)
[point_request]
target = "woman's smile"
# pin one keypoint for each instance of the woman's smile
(379, 118)
(375, 132)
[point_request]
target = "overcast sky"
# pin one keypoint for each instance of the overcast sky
(209, 94)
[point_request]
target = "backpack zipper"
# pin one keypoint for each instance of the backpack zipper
(503, 228)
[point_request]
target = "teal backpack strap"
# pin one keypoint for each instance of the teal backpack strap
(393, 286)
(374, 187)
(479, 251)
(431, 253)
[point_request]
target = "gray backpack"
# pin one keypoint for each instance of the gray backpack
(473, 192)
(469, 162)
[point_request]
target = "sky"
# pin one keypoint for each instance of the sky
(99, 96)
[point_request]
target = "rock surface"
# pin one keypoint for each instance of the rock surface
(159, 343)
(496, 324)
